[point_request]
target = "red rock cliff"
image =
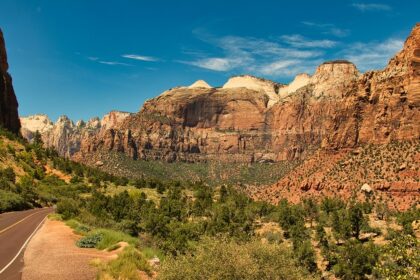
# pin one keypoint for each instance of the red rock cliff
(8, 103)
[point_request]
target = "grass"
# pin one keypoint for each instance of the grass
(55, 217)
(112, 237)
(150, 253)
(126, 266)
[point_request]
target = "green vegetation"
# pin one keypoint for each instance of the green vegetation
(129, 262)
(207, 231)
(212, 173)
(225, 260)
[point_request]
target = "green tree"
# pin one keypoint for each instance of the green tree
(226, 260)
(356, 260)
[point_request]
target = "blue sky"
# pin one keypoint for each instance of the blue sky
(85, 58)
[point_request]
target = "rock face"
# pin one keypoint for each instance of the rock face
(270, 88)
(8, 103)
(251, 119)
(379, 107)
(255, 120)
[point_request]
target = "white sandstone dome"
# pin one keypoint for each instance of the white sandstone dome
(200, 84)
(250, 82)
(34, 123)
(298, 82)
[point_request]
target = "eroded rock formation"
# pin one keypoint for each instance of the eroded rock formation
(9, 117)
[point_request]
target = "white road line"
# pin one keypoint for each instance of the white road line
(23, 246)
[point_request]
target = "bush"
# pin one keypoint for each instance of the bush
(10, 201)
(112, 237)
(356, 260)
(68, 208)
(399, 259)
(90, 241)
(218, 259)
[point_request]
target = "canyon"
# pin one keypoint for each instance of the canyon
(319, 120)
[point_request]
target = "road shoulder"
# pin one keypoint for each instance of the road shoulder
(52, 254)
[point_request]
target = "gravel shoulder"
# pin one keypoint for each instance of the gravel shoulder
(52, 254)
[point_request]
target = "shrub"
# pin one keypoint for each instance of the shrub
(218, 259)
(10, 201)
(68, 208)
(112, 237)
(356, 260)
(400, 259)
(90, 241)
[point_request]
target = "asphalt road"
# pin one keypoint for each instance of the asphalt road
(16, 229)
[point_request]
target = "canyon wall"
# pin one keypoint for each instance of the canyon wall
(9, 118)
(251, 119)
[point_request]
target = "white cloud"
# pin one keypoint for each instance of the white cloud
(255, 56)
(278, 66)
(213, 63)
(106, 62)
(140, 57)
(113, 63)
(288, 55)
(364, 7)
(372, 55)
(299, 41)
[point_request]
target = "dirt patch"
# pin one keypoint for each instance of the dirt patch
(58, 173)
(52, 254)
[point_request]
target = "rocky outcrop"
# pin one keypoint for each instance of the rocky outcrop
(9, 117)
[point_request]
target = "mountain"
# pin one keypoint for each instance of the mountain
(337, 117)
(9, 117)
(251, 119)
(64, 135)
(373, 139)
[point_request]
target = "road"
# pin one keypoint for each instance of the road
(16, 229)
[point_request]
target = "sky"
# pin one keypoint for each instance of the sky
(84, 58)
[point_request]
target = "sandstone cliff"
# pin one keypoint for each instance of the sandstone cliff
(8, 103)
(251, 119)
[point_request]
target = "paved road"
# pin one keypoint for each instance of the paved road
(16, 228)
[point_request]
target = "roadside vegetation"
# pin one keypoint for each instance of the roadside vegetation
(169, 229)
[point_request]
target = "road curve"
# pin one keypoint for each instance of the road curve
(16, 229)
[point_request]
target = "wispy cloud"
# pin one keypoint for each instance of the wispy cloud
(258, 56)
(287, 55)
(328, 28)
(365, 7)
(96, 59)
(140, 57)
(299, 41)
(214, 63)
(372, 55)
(113, 63)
